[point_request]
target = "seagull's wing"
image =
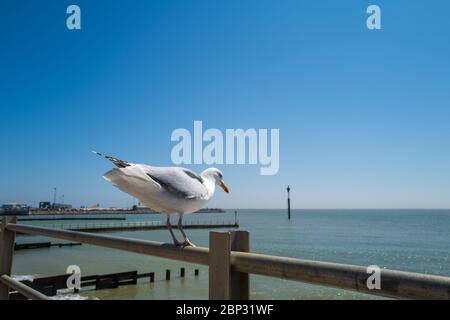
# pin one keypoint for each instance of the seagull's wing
(180, 182)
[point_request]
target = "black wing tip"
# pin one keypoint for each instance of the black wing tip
(119, 163)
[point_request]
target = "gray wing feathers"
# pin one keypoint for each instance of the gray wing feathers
(181, 182)
(193, 175)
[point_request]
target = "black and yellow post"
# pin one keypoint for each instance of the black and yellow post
(289, 202)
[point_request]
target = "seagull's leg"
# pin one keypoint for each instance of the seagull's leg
(187, 242)
(169, 227)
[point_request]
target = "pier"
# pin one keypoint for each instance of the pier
(111, 211)
(141, 226)
(230, 264)
(56, 218)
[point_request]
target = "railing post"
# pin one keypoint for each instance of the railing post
(224, 282)
(240, 282)
(7, 239)
(219, 265)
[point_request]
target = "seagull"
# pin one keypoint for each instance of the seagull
(167, 190)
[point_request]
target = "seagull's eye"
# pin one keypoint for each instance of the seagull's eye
(220, 175)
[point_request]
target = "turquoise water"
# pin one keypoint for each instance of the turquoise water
(410, 240)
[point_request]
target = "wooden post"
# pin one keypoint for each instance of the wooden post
(224, 282)
(219, 265)
(182, 272)
(240, 283)
(196, 272)
(152, 277)
(7, 239)
(167, 274)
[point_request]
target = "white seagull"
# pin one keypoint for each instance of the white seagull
(168, 190)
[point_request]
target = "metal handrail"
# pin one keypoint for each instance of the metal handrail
(23, 289)
(395, 284)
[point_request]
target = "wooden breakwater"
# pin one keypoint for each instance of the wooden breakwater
(49, 286)
(39, 245)
(141, 226)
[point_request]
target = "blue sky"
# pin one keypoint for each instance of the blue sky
(364, 116)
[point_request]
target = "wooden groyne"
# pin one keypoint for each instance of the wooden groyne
(49, 286)
(39, 245)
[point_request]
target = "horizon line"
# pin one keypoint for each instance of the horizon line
(336, 209)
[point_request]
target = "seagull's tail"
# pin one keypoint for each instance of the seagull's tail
(119, 163)
(132, 180)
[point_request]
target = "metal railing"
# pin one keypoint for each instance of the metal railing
(135, 224)
(230, 264)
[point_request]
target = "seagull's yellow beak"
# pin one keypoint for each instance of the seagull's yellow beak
(224, 186)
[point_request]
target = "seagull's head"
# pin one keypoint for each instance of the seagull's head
(217, 176)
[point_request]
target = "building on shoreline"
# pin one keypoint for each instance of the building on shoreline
(15, 209)
(54, 206)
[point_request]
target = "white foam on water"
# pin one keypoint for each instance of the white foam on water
(68, 294)
(72, 296)
(23, 277)
(63, 294)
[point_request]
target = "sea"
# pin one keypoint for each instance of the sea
(408, 240)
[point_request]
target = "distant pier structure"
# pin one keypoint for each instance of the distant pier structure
(289, 202)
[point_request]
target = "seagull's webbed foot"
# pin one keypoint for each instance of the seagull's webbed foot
(188, 243)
